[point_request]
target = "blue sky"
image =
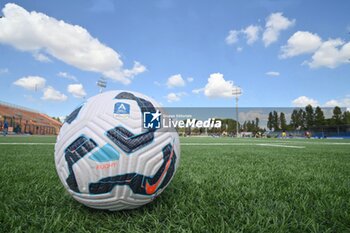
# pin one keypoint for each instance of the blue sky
(181, 53)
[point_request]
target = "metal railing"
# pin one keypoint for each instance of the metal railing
(18, 107)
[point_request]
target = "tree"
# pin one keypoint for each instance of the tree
(251, 125)
(275, 122)
(257, 120)
(56, 118)
(245, 126)
(301, 119)
(283, 121)
(337, 116)
(269, 121)
(346, 118)
(228, 125)
(294, 119)
(309, 117)
(188, 130)
(319, 117)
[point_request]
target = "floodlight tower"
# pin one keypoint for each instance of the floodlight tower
(102, 83)
(237, 91)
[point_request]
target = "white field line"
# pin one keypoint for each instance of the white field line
(186, 144)
(292, 141)
(279, 145)
(334, 143)
(255, 142)
(215, 144)
(324, 143)
(311, 142)
(27, 143)
(239, 144)
(275, 144)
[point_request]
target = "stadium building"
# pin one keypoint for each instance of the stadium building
(23, 120)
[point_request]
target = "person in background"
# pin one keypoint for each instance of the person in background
(307, 134)
(6, 128)
(284, 134)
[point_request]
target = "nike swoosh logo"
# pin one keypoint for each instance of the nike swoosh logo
(150, 189)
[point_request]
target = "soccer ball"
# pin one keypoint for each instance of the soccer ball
(108, 157)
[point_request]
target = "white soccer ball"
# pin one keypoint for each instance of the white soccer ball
(108, 157)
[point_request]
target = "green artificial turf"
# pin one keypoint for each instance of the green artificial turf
(27, 139)
(233, 185)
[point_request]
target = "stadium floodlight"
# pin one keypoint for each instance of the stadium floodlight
(237, 92)
(102, 83)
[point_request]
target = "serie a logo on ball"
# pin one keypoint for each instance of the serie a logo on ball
(111, 153)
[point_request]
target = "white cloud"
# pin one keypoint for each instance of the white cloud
(232, 37)
(174, 97)
(38, 33)
(197, 91)
(252, 33)
(344, 102)
(51, 94)
(331, 54)
(138, 68)
(175, 81)
(275, 23)
(41, 57)
(239, 49)
(67, 76)
(217, 86)
(303, 101)
(273, 73)
(77, 90)
(4, 71)
(300, 42)
(32, 83)
(190, 79)
(332, 103)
